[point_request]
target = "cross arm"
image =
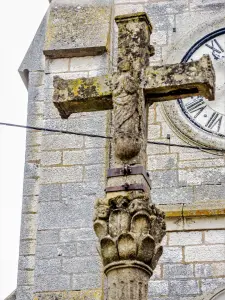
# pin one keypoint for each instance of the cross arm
(82, 94)
(162, 83)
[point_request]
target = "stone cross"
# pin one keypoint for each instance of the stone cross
(129, 227)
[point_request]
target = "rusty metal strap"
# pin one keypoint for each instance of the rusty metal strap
(127, 187)
(129, 170)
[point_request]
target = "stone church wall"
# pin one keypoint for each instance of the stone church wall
(64, 174)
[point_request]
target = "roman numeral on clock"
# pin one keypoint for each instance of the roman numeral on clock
(215, 47)
(196, 106)
(214, 120)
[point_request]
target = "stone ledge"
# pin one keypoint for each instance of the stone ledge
(71, 295)
(87, 36)
(194, 210)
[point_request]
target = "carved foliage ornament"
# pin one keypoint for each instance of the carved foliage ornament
(129, 229)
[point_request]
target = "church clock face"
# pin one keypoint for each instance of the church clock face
(208, 116)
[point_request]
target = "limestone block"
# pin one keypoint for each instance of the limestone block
(71, 235)
(66, 141)
(172, 195)
(206, 4)
(62, 174)
(204, 270)
(94, 173)
(52, 283)
(36, 78)
(47, 267)
(26, 262)
(162, 162)
(77, 28)
(185, 238)
(211, 284)
(202, 176)
(30, 204)
(47, 237)
(25, 277)
(157, 149)
(215, 237)
(50, 192)
(171, 255)
(59, 65)
(154, 131)
(178, 271)
(81, 265)
(73, 192)
(28, 226)
(209, 192)
(86, 248)
(51, 158)
(166, 7)
(87, 281)
(158, 288)
(205, 253)
(84, 157)
(88, 63)
(62, 215)
(27, 247)
(184, 287)
(24, 292)
(163, 179)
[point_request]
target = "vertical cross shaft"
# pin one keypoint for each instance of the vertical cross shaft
(128, 227)
(129, 105)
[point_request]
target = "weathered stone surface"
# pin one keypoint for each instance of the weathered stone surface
(184, 287)
(34, 58)
(86, 281)
(178, 271)
(129, 229)
(85, 28)
(71, 235)
(52, 283)
(171, 255)
(62, 215)
(215, 237)
(190, 79)
(185, 238)
(80, 265)
(204, 253)
(158, 288)
(48, 267)
(171, 195)
(83, 94)
(94, 294)
(47, 237)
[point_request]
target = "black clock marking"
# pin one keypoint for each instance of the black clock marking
(214, 120)
(198, 105)
(216, 48)
(197, 109)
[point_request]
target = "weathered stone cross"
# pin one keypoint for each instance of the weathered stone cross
(129, 228)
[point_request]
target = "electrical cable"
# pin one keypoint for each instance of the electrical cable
(105, 137)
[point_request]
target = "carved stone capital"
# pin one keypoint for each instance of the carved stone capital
(129, 229)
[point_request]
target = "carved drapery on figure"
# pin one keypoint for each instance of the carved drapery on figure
(129, 105)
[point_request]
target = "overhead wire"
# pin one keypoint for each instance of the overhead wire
(200, 148)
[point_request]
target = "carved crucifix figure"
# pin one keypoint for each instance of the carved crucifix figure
(129, 227)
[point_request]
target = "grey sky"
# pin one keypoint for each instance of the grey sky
(18, 24)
